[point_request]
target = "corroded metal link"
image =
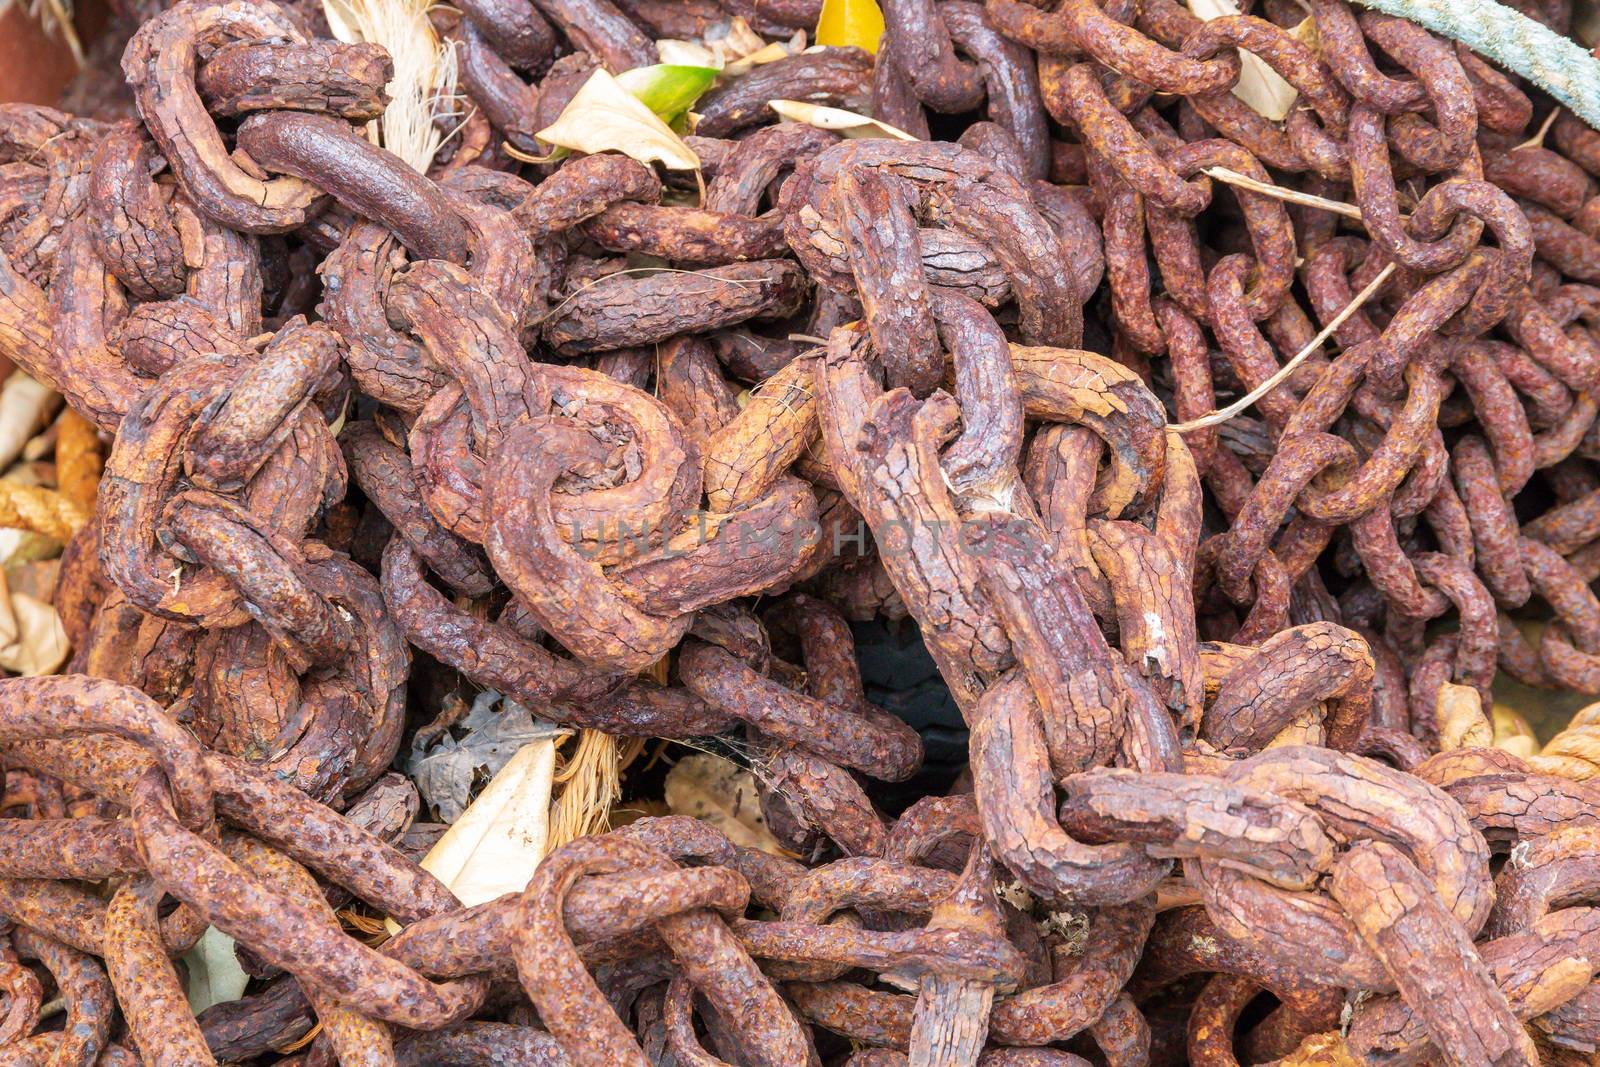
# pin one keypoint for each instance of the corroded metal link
(160, 64)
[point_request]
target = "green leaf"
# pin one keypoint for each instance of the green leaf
(668, 89)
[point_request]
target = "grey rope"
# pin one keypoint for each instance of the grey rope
(1515, 41)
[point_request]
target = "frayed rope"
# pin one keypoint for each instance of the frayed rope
(1515, 41)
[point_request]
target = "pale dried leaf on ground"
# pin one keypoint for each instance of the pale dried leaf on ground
(1259, 85)
(26, 407)
(604, 117)
(41, 643)
(723, 794)
(493, 848)
(23, 546)
(215, 976)
(1462, 723)
(846, 123)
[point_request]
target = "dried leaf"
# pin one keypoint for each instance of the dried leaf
(723, 794)
(40, 444)
(1321, 1050)
(687, 53)
(215, 976)
(445, 767)
(850, 23)
(770, 54)
(10, 629)
(41, 644)
(1259, 85)
(33, 473)
(31, 507)
(493, 848)
(26, 407)
(847, 123)
(1462, 723)
(25, 546)
(605, 117)
(1512, 732)
(738, 42)
(737, 52)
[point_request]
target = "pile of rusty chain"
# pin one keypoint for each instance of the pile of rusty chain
(359, 412)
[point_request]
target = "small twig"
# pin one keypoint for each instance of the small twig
(522, 157)
(1293, 196)
(459, 126)
(58, 16)
(302, 1041)
(1537, 140)
(1288, 368)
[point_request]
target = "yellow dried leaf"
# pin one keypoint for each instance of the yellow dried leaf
(723, 794)
(850, 23)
